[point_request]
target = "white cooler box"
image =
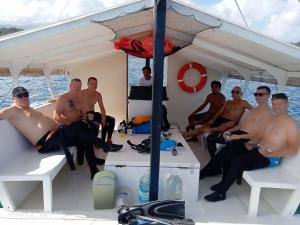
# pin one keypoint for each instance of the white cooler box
(129, 166)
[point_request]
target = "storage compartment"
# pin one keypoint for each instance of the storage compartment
(128, 166)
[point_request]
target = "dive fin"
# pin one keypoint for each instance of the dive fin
(166, 209)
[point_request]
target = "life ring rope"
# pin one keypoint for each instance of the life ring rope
(203, 77)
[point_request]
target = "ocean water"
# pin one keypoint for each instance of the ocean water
(37, 87)
(39, 92)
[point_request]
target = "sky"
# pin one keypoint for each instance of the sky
(276, 18)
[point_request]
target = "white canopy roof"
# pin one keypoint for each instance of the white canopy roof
(216, 43)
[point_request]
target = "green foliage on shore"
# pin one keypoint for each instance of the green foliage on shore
(9, 30)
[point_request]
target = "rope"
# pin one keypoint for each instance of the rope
(237, 4)
(63, 9)
(7, 94)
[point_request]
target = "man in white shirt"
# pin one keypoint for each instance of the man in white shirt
(146, 80)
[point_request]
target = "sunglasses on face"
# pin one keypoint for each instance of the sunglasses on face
(21, 95)
(235, 92)
(260, 94)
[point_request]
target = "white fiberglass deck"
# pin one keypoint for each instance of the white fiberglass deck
(73, 203)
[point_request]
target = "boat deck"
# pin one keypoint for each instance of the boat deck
(73, 203)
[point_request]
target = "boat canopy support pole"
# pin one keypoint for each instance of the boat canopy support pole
(281, 80)
(47, 72)
(224, 80)
(147, 62)
(247, 82)
(69, 70)
(15, 68)
(157, 89)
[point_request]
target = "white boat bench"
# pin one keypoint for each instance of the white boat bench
(19, 162)
(284, 176)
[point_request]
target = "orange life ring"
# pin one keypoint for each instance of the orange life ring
(203, 76)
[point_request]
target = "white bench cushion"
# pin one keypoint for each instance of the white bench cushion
(31, 165)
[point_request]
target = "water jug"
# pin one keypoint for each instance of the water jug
(174, 187)
(143, 191)
(124, 197)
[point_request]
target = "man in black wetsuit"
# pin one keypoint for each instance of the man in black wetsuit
(68, 111)
(45, 133)
(279, 138)
(90, 96)
(248, 129)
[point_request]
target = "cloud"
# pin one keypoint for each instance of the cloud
(277, 18)
(22, 12)
(286, 24)
(34, 12)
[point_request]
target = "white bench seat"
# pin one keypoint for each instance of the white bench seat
(271, 178)
(285, 176)
(20, 161)
(32, 165)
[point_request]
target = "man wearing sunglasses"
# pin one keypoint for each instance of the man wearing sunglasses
(249, 129)
(45, 133)
(280, 137)
(226, 117)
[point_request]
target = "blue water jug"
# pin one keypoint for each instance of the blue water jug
(143, 191)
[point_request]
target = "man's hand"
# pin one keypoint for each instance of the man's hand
(103, 122)
(227, 136)
(249, 146)
(267, 152)
(264, 152)
(234, 137)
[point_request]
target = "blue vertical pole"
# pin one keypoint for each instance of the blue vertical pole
(157, 89)
(147, 62)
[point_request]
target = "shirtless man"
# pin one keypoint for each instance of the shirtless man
(90, 97)
(279, 138)
(68, 106)
(226, 117)
(31, 123)
(250, 127)
(216, 101)
(68, 110)
(43, 132)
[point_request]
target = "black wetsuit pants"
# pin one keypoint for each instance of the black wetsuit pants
(77, 133)
(231, 149)
(110, 125)
(233, 169)
(214, 139)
